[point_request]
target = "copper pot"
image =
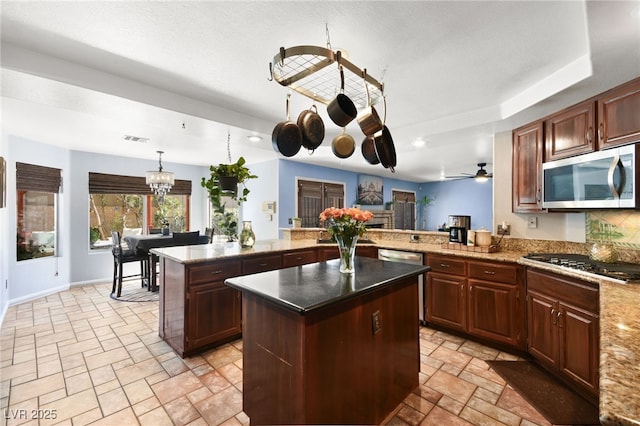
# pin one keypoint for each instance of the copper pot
(343, 145)
(341, 110)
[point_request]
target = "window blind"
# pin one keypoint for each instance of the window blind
(102, 183)
(30, 177)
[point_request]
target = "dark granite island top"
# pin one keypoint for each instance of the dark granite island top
(320, 347)
(310, 287)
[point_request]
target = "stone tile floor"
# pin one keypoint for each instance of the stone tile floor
(78, 357)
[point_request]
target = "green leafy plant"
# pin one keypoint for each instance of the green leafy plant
(224, 220)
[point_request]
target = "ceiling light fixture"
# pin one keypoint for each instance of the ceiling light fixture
(254, 138)
(159, 181)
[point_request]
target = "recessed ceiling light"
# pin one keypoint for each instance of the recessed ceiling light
(254, 138)
(419, 142)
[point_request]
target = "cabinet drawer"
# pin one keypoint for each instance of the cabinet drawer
(446, 265)
(261, 264)
(493, 272)
(211, 272)
(296, 258)
(577, 293)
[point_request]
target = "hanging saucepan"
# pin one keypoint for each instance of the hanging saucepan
(343, 145)
(311, 127)
(341, 110)
(368, 119)
(369, 150)
(286, 137)
(385, 149)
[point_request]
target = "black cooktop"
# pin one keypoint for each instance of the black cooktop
(627, 272)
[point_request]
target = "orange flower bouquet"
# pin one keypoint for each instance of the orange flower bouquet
(345, 226)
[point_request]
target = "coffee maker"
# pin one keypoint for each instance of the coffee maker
(458, 227)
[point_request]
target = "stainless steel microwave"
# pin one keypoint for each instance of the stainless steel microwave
(598, 180)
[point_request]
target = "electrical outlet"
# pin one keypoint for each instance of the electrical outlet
(506, 230)
(532, 222)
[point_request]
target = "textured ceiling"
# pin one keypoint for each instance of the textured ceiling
(454, 73)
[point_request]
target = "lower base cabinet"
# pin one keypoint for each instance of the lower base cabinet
(482, 299)
(215, 314)
(563, 318)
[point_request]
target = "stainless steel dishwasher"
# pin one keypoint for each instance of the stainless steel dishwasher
(408, 257)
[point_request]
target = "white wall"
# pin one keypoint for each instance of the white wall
(75, 263)
(96, 266)
(551, 226)
(265, 188)
(4, 232)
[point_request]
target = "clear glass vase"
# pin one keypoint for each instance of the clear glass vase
(247, 237)
(347, 249)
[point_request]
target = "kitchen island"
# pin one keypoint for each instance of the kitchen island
(321, 347)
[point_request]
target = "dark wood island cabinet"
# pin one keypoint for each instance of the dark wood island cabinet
(321, 347)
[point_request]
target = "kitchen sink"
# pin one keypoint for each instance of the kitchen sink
(330, 241)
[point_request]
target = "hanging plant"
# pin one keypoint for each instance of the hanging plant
(224, 220)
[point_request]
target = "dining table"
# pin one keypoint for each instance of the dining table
(141, 244)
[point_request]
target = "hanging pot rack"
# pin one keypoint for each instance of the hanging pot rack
(308, 71)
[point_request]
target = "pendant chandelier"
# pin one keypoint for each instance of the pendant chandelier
(160, 182)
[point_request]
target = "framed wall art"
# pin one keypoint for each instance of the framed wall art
(370, 190)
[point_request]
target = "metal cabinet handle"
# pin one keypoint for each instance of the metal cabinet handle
(600, 132)
(216, 272)
(559, 316)
(444, 265)
(263, 264)
(553, 317)
(490, 272)
(588, 134)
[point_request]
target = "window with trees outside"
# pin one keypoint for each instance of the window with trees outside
(125, 204)
(37, 190)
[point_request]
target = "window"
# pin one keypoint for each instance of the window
(36, 198)
(125, 204)
(314, 197)
(404, 209)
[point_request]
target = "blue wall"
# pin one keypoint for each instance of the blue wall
(460, 197)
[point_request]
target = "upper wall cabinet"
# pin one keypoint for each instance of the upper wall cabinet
(527, 168)
(619, 115)
(570, 132)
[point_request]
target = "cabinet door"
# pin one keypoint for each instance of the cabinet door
(542, 314)
(493, 312)
(367, 251)
(328, 253)
(445, 296)
(619, 115)
(214, 314)
(261, 264)
(570, 132)
(527, 168)
(579, 346)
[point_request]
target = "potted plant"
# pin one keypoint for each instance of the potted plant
(424, 202)
(225, 220)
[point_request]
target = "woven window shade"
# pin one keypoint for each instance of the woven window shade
(30, 177)
(101, 183)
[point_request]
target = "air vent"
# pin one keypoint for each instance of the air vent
(135, 139)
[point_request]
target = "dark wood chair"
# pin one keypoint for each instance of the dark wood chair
(120, 257)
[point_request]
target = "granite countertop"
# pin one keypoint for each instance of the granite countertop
(314, 286)
(619, 345)
(619, 312)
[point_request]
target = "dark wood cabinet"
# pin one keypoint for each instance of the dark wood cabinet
(331, 252)
(214, 314)
(619, 115)
(482, 299)
(261, 263)
(496, 303)
(527, 157)
(564, 327)
(445, 300)
(297, 258)
(571, 132)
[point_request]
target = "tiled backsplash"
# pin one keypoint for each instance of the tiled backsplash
(618, 227)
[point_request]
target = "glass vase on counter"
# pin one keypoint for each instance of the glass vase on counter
(247, 236)
(347, 250)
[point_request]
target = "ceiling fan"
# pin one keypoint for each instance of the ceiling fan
(481, 175)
